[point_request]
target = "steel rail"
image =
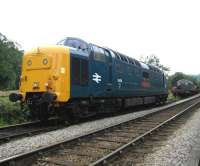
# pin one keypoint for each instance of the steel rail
(26, 133)
(29, 128)
(18, 125)
(133, 142)
(17, 157)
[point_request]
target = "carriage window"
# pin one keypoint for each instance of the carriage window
(79, 71)
(126, 59)
(129, 60)
(112, 54)
(132, 61)
(118, 57)
(99, 54)
(122, 58)
(107, 53)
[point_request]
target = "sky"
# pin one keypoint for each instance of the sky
(169, 29)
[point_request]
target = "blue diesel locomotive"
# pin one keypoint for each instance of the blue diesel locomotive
(98, 79)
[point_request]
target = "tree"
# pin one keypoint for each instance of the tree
(10, 60)
(155, 61)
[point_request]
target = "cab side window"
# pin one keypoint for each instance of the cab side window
(72, 43)
(78, 44)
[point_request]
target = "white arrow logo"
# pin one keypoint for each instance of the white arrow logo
(96, 78)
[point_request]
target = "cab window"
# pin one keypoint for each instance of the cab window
(75, 43)
(72, 43)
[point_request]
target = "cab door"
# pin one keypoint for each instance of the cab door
(100, 72)
(110, 72)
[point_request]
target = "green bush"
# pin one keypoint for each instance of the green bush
(171, 97)
(11, 113)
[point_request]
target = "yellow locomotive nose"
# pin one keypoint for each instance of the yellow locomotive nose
(37, 67)
(46, 69)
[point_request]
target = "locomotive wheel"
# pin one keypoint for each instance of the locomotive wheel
(33, 114)
(79, 112)
(42, 111)
(66, 114)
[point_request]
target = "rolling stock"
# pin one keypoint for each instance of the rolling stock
(184, 88)
(77, 79)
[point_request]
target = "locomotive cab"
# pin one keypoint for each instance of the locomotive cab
(45, 77)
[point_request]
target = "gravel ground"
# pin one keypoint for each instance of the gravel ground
(181, 148)
(31, 143)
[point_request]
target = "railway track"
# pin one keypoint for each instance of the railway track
(101, 146)
(26, 129)
(158, 141)
(32, 128)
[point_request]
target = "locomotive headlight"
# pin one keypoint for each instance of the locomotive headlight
(62, 70)
(45, 61)
(36, 85)
(46, 84)
(29, 62)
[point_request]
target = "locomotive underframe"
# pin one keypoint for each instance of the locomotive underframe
(43, 108)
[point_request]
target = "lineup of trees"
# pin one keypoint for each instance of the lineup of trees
(11, 56)
(10, 61)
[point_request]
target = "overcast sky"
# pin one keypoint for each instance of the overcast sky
(170, 29)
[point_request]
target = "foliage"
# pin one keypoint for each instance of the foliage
(155, 61)
(171, 97)
(10, 60)
(179, 75)
(11, 113)
(198, 77)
